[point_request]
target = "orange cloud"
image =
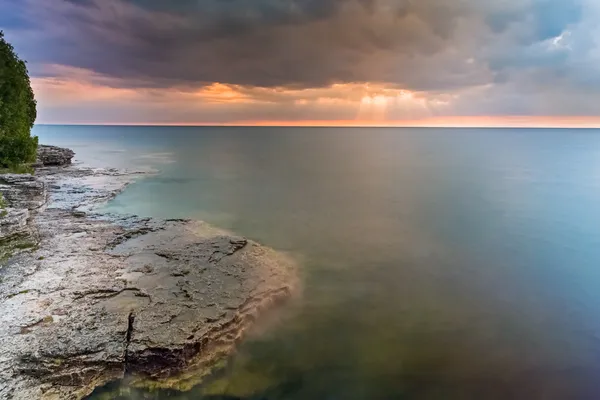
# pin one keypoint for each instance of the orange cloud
(56, 91)
(73, 95)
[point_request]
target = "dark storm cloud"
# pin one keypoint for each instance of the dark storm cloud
(303, 43)
(262, 42)
(520, 56)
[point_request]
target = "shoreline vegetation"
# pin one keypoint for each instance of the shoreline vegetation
(87, 298)
(17, 112)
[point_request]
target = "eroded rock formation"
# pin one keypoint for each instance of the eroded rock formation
(54, 156)
(99, 297)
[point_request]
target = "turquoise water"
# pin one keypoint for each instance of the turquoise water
(437, 263)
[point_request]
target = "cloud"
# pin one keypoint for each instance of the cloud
(260, 43)
(70, 93)
(460, 57)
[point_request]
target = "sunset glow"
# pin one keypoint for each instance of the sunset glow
(469, 65)
(370, 104)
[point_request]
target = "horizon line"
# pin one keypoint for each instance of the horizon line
(548, 122)
(163, 125)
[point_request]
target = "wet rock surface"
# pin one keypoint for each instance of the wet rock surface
(100, 296)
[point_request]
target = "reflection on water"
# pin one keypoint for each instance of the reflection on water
(438, 264)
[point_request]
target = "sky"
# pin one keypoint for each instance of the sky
(311, 62)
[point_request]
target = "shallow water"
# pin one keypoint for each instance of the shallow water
(437, 263)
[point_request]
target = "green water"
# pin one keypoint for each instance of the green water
(436, 264)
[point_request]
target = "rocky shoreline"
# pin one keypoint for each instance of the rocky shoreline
(88, 298)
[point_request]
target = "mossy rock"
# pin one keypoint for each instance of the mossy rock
(12, 245)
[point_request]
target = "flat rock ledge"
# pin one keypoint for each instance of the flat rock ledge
(92, 298)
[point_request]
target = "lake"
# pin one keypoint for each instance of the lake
(436, 263)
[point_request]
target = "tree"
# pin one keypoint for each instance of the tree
(17, 109)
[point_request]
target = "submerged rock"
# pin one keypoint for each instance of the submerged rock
(54, 156)
(101, 297)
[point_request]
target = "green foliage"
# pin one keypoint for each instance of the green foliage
(17, 110)
(18, 169)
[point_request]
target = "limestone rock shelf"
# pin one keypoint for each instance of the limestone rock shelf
(94, 297)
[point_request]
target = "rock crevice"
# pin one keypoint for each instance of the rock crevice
(128, 334)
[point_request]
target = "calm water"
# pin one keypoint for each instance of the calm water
(437, 263)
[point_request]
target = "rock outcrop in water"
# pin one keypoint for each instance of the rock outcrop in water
(54, 156)
(94, 297)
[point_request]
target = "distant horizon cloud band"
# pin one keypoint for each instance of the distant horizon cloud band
(311, 62)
